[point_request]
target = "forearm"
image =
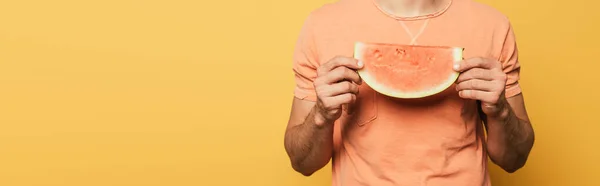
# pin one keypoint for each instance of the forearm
(308, 145)
(510, 139)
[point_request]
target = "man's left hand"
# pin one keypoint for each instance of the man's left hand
(482, 79)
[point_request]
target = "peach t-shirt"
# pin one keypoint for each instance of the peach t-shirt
(434, 141)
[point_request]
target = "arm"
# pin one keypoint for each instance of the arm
(309, 135)
(321, 90)
(510, 135)
(494, 82)
(308, 145)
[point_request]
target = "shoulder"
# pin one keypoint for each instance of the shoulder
(486, 15)
(496, 28)
(329, 14)
(485, 22)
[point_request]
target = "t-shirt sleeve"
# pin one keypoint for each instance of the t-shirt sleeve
(510, 63)
(305, 62)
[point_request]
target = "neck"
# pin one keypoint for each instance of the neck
(411, 8)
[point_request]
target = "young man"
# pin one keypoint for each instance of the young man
(377, 140)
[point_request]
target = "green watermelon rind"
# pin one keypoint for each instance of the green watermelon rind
(370, 80)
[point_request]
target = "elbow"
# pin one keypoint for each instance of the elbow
(308, 167)
(513, 168)
(512, 164)
(304, 172)
(301, 168)
(516, 164)
(521, 155)
(307, 174)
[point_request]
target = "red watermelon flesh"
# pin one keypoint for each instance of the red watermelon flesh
(407, 71)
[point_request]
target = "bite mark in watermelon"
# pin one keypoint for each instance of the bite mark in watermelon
(407, 71)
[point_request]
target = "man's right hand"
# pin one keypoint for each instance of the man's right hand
(336, 85)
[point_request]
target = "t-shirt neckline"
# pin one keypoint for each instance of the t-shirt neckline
(401, 18)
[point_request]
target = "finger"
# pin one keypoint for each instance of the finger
(341, 74)
(484, 96)
(475, 84)
(336, 102)
(464, 65)
(339, 88)
(340, 61)
(475, 73)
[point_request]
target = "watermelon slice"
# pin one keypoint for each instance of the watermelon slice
(407, 71)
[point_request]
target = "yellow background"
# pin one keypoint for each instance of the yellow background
(182, 92)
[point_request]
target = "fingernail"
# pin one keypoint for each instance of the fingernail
(360, 64)
(456, 66)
